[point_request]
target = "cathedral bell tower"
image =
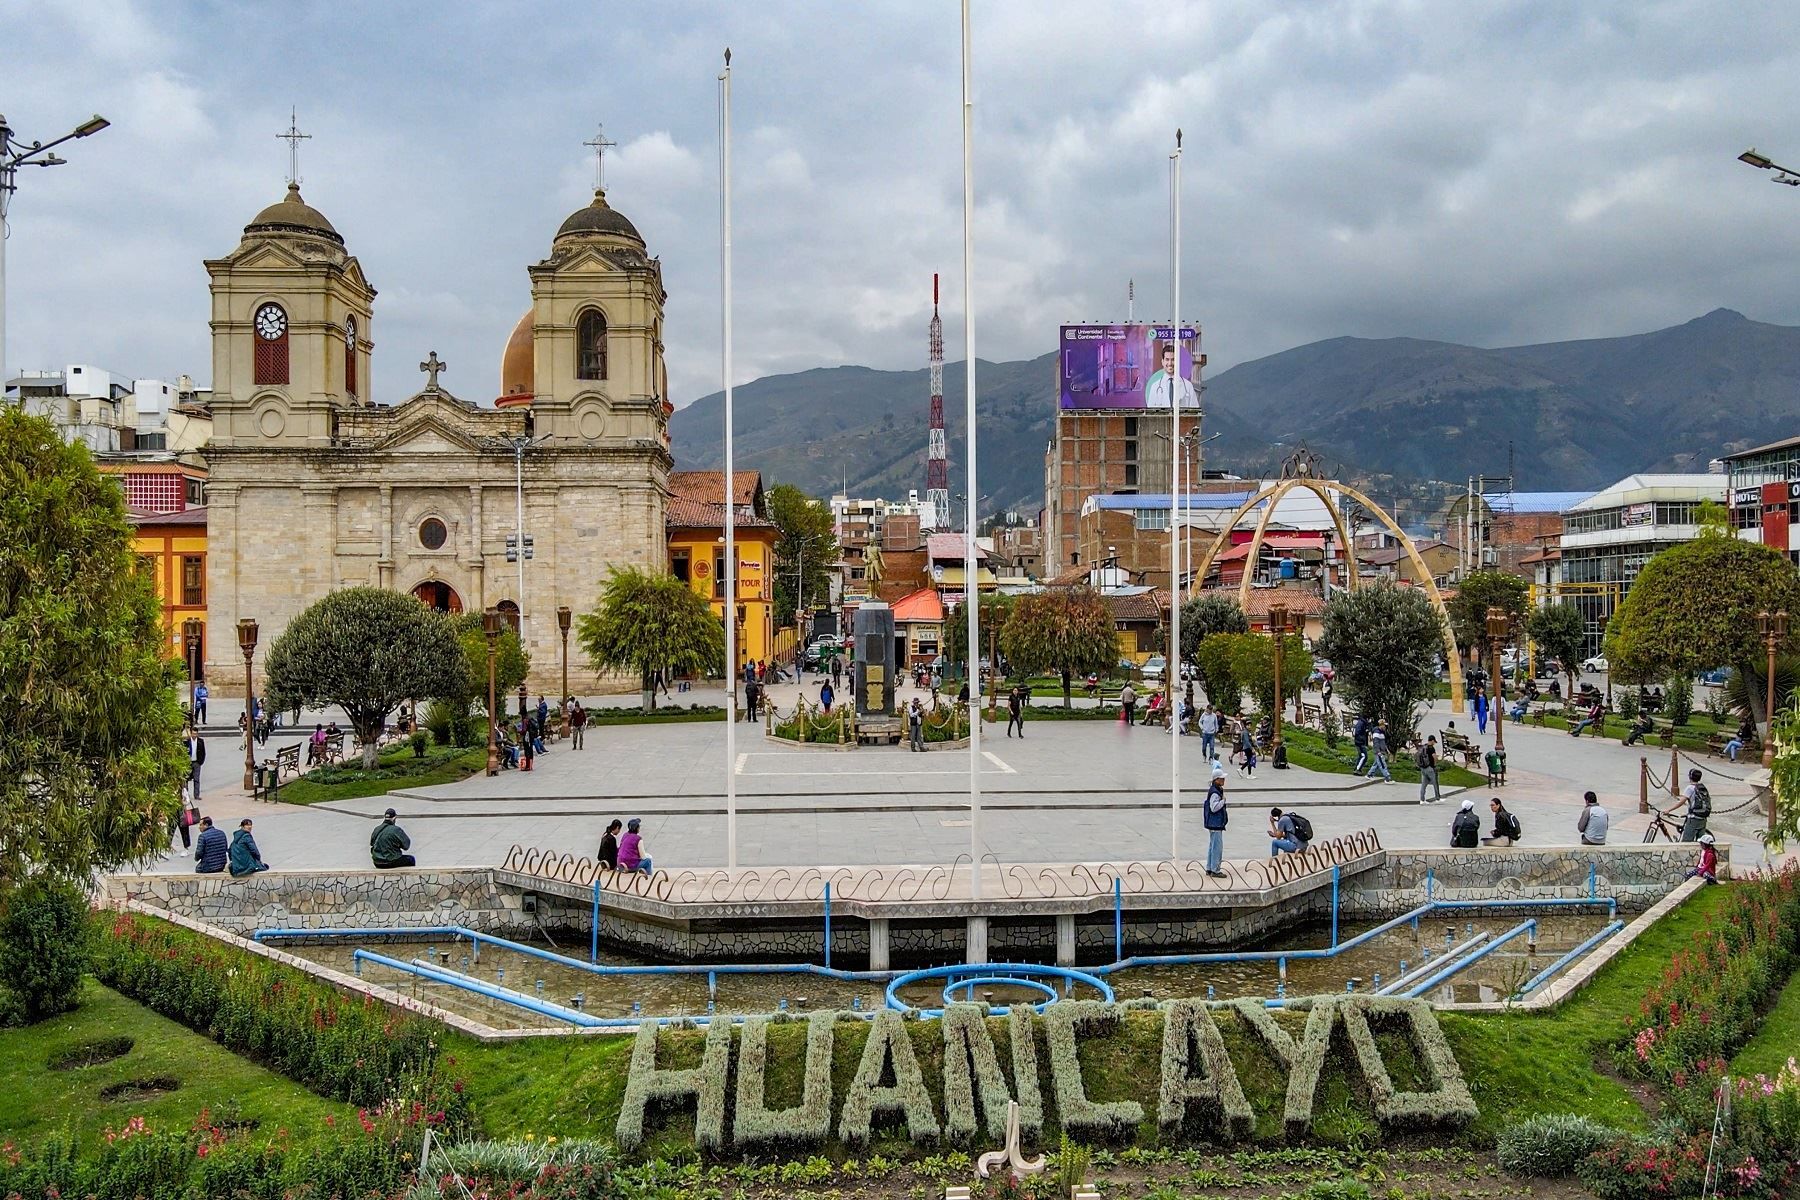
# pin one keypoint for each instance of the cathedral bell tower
(292, 318)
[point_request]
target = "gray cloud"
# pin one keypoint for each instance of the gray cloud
(1487, 171)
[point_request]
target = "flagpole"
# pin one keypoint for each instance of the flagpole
(729, 607)
(1172, 660)
(971, 582)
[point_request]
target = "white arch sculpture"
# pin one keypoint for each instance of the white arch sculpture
(1322, 489)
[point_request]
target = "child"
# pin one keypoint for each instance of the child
(1708, 866)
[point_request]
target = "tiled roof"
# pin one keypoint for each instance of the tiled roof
(685, 513)
(1274, 541)
(709, 486)
(1136, 606)
(192, 516)
(1298, 600)
(1073, 577)
(1389, 555)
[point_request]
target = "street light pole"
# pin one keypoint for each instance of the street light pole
(490, 625)
(246, 629)
(1762, 162)
(190, 650)
(1773, 627)
(1497, 626)
(563, 617)
(1278, 619)
(14, 155)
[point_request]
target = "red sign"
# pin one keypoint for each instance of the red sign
(1775, 516)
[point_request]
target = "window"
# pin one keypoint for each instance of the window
(432, 534)
(679, 567)
(719, 575)
(509, 612)
(152, 441)
(1152, 518)
(1131, 426)
(590, 345)
(271, 329)
(350, 356)
(1131, 474)
(193, 580)
(196, 491)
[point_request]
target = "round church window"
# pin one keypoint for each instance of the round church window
(432, 534)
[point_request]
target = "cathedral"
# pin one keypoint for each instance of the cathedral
(315, 485)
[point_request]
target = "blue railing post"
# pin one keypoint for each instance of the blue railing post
(1118, 921)
(1430, 882)
(1336, 874)
(828, 924)
(1590, 881)
(594, 937)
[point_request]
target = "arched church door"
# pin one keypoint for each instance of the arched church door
(435, 593)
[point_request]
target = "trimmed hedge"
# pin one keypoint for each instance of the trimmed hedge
(1197, 1076)
(1446, 1102)
(706, 1083)
(753, 1124)
(888, 1044)
(1080, 1116)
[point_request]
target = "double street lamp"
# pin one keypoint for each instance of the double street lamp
(1499, 625)
(1773, 628)
(16, 154)
(1762, 162)
(191, 632)
(1278, 629)
(246, 629)
(490, 625)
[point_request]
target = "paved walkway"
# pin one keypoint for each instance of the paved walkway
(1069, 791)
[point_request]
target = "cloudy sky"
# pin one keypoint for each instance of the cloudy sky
(1486, 171)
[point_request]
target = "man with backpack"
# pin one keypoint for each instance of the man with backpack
(1427, 759)
(1214, 815)
(1699, 807)
(1288, 831)
(1465, 828)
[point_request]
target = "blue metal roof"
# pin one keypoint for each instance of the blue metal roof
(1534, 502)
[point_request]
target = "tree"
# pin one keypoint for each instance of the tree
(91, 760)
(1478, 592)
(995, 609)
(1383, 641)
(804, 539)
(1068, 632)
(1693, 607)
(650, 623)
(1560, 632)
(366, 650)
(1204, 615)
(1251, 659)
(511, 665)
(1713, 518)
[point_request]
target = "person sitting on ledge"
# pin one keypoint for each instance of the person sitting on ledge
(1708, 866)
(210, 852)
(1465, 827)
(388, 844)
(245, 858)
(631, 850)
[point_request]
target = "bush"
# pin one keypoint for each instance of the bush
(44, 947)
(1637, 1168)
(1679, 698)
(351, 1049)
(1550, 1146)
(1197, 1076)
(1630, 703)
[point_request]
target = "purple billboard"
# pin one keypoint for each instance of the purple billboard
(1128, 366)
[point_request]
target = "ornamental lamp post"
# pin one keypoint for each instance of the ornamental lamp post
(563, 617)
(1278, 626)
(1773, 628)
(525, 755)
(490, 625)
(246, 629)
(190, 650)
(1497, 626)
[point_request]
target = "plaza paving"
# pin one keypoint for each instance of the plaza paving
(1069, 791)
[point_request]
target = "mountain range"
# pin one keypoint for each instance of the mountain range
(1390, 412)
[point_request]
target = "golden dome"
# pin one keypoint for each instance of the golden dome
(518, 371)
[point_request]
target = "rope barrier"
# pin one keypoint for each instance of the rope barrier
(1711, 770)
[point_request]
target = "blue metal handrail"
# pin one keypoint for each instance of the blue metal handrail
(1542, 977)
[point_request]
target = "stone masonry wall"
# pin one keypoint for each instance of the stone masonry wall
(1637, 876)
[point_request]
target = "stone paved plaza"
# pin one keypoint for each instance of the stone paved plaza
(1070, 791)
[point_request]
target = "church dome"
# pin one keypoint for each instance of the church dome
(518, 368)
(293, 215)
(599, 217)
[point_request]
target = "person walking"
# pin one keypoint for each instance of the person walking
(1015, 710)
(185, 819)
(577, 724)
(1465, 827)
(388, 844)
(1481, 710)
(1378, 752)
(1594, 821)
(1427, 759)
(211, 852)
(1209, 731)
(196, 755)
(826, 695)
(915, 726)
(244, 856)
(1215, 815)
(1699, 807)
(1128, 703)
(1359, 737)
(837, 669)
(632, 851)
(609, 845)
(200, 695)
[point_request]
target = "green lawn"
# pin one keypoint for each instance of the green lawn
(38, 1100)
(1779, 1038)
(1307, 748)
(396, 768)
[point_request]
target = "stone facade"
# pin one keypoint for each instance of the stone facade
(316, 487)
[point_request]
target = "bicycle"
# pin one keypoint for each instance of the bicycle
(1660, 825)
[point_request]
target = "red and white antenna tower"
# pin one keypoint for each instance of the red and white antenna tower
(937, 459)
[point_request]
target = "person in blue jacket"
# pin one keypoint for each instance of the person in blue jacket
(246, 859)
(210, 852)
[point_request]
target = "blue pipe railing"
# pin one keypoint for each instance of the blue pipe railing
(828, 924)
(1524, 927)
(468, 983)
(1407, 978)
(594, 934)
(1544, 976)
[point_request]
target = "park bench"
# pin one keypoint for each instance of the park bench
(287, 760)
(1460, 745)
(1310, 714)
(1715, 745)
(334, 748)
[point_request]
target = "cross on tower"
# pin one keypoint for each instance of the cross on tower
(601, 144)
(431, 366)
(293, 137)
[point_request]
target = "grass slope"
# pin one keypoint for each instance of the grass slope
(38, 1100)
(1779, 1038)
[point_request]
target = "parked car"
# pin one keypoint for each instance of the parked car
(1596, 663)
(1153, 668)
(1716, 677)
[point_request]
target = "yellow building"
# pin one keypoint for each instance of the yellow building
(171, 547)
(695, 518)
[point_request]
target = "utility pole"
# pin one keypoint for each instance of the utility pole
(14, 155)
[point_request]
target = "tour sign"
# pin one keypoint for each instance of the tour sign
(1198, 1097)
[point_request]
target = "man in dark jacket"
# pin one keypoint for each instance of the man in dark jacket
(244, 856)
(609, 845)
(1215, 815)
(1015, 710)
(211, 851)
(1465, 827)
(388, 845)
